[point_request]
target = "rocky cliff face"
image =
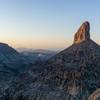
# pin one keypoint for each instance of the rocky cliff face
(72, 74)
(83, 33)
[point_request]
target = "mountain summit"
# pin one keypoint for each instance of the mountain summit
(83, 33)
(72, 74)
(75, 70)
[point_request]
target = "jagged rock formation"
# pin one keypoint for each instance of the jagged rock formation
(72, 74)
(83, 34)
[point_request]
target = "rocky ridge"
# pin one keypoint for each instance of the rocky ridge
(72, 74)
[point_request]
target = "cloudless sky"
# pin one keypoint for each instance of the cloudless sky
(46, 24)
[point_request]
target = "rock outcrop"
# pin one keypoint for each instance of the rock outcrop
(95, 95)
(83, 34)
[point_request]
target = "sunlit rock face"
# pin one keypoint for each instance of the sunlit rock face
(95, 95)
(83, 33)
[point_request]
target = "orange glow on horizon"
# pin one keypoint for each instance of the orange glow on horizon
(42, 44)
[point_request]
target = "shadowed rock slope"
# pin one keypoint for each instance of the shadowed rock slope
(11, 63)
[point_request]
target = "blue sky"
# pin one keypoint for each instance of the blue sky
(46, 24)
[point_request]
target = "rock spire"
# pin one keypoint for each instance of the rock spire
(83, 33)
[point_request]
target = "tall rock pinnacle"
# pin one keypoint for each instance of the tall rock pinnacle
(83, 33)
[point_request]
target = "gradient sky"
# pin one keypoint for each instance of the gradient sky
(46, 24)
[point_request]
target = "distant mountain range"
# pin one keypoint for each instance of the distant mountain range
(37, 54)
(12, 60)
(36, 50)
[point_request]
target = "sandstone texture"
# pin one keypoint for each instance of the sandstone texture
(83, 33)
